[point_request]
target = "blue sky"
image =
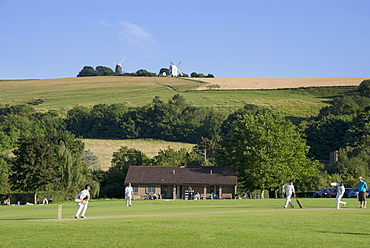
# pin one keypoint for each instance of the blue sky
(230, 39)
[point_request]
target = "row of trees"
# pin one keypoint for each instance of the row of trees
(175, 120)
(89, 71)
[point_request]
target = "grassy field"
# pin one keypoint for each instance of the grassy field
(204, 223)
(104, 149)
(65, 93)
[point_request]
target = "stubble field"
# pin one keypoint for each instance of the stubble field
(104, 149)
(277, 83)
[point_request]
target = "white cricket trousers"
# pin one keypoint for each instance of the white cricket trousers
(338, 200)
(81, 207)
(128, 200)
(288, 201)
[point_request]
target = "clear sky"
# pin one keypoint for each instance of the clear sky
(230, 39)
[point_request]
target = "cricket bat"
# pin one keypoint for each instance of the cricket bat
(298, 202)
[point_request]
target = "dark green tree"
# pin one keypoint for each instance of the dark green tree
(325, 135)
(78, 121)
(52, 162)
(364, 88)
(145, 73)
(113, 185)
(267, 151)
(104, 71)
(352, 163)
(166, 72)
(347, 105)
(171, 157)
(359, 130)
(35, 166)
(87, 71)
(5, 165)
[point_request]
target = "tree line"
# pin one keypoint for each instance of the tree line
(89, 71)
(264, 147)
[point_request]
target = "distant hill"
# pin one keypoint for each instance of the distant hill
(65, 93)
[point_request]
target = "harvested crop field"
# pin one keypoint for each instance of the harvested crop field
(276, 83)
(104, 149)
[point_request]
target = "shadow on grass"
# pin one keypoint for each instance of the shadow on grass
(348, 233)
(20, 219)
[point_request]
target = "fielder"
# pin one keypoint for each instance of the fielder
(362, 187)
(128, 194)
(81, 203)
(289, 191)
(340, 193)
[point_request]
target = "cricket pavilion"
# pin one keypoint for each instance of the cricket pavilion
(172, 182)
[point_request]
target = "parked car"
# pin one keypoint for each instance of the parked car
(354, 193)
(324, 193)
(332, 193)
(347, 193)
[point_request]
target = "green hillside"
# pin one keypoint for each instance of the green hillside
(65, 93)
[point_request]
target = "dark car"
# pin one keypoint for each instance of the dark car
(347, 193)
(354, 192)
(332, 193)
(322, 193)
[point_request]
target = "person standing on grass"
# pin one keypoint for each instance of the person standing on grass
(340, 193)
(82, 202)
(128, 195)
(289, 191)
(362, 186)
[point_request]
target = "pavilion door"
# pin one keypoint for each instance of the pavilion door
(164, 192)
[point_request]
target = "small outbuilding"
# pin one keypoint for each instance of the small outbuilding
(172, 182)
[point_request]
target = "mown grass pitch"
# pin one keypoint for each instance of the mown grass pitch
(204, 223)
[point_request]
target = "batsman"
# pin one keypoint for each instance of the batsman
(82, 202)
(289, 191)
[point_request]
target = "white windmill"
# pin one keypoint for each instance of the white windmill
(119, 66)
(174, 69)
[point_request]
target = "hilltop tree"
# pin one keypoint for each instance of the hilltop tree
(201, 75)
(145, 73)
(87, 71)
(164, 70)
(104, 71)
